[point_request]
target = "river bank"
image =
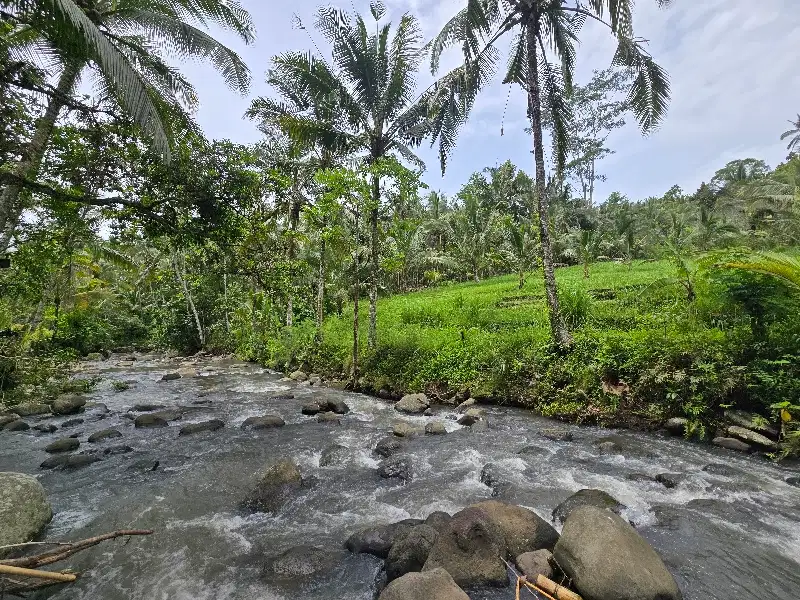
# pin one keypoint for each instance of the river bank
(723, 532)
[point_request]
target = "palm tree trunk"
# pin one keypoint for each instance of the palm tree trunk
(521, 279)
(180, 274)
(32, 155)
(372, 334)
(321, 289)
(356, 286)
(294, 219)
(558, 329)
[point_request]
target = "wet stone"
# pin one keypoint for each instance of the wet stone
(71, 423)
(16, 425)
(63, 445)
(45, 428)
(104, 434)
(263, 422)
(192, 428)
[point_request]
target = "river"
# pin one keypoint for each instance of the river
(724, 537)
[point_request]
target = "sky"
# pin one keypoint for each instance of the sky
(733, 66)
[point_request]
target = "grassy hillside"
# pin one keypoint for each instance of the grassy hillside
(642, 351)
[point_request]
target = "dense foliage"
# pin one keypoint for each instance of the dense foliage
(682, 304)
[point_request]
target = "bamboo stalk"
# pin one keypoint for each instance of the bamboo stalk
(63, 577)
(559, 591)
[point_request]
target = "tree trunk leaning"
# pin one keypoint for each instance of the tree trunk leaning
(32, 155)
(372, 334)
(558, 328)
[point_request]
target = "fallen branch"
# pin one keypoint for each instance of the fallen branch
(54, 576)
(63, 552)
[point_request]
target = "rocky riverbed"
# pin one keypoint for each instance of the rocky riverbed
(183, 447)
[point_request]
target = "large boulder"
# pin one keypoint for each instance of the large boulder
(388, 446)
(300, 562)
(435, 584)
(276, 486)
(298, 376)
(337, 406)
(751, 437)
(752, 422)
(470, 417)
(379, 540)
(212, 425)
(63, 445)
(523, 530)
(311, 408)
(328, 417)
(586, 497)
(414, 404)
(410, 552)
(438, 520)
(555, 434)
(399, 467)
(149, 421)
(607, 560)
(68, 405)
(104, 434)
(6, 419)
(676, 426)
(470, 549)
(30, 409)
(435, 428)
(264, 422)
(403, 429)
(24, 509)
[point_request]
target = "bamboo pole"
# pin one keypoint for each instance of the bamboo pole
(62, 577)
(559, 591)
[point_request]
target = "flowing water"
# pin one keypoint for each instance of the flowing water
(733, 536)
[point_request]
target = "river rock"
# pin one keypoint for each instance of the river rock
(328, 417)
(45, 428)
(51, 462)
(24, 509)
(335, 454)
(337, 406)
(533, 564)
(63, 445)
(211, 425)
(147, 407)
(463, 395)
(435, 428)
(731, 444)
(438, 520)
(491, 475)
(76, 461)
(429, 412)
(415, 404)
(170, 376)
(399, 467)
(586, 497)
(410, 551)
(167, 415)
(607, 560)
(557, 435)
(298, 376)
(149, 421)
(16, 425)
(276, 486)
(263, 422)
(118, 449)
(470, 417)
(670, 480)
(469, 548)
(311, 408)
(751, 437)
(314, 380)
(434, 584)
(523, 530)
(465, 405)
(283, 396)
(793, 481)
(69, 405)
(752, 422)
(104, 434)
(676, 426)
(640, 477)
(721, 469)
(533, 451)
(30, 409)
(388, 446)
(6, 419)
(300, 562)
(609, 448)
(71, 423)
(403, 429)
(379, 540)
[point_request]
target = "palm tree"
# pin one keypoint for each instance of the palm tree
(542, 29)
(119, 40)
(794, 134)
(371, 78)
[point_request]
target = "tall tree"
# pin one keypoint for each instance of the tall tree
(372, 78)
(542, 30)
(120, 41)
(793, 135)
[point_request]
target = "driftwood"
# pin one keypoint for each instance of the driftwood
(559, 591)
(21, 575)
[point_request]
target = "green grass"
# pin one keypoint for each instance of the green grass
(675, 357)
